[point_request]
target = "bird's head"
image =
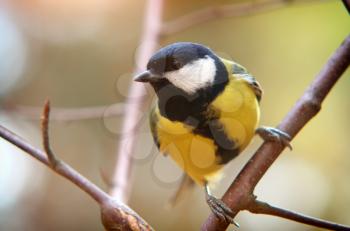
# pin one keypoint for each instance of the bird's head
(187, 66)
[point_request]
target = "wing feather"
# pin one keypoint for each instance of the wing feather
(153, 119)
(241, 72)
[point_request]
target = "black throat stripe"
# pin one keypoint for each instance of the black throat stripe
(198, 115)
(210, 127)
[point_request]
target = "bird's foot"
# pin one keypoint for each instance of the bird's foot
(220, 209)
(274, 135)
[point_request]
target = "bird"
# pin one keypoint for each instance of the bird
(206, 113)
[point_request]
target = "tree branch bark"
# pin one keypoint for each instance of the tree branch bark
(239, 194)
(115, 214)
(66, 171)
(259, 207)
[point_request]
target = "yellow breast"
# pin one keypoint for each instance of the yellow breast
(195, 154)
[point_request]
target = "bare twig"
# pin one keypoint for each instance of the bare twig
(68, 114)
(239, 194)
(65, 170)
(137, 98)
(115, 214)
(45, 134)
(260, 207)
(221, 11)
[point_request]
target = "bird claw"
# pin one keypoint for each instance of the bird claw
(274, 135)
(221, 210)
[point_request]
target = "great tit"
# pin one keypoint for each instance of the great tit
(207, 112)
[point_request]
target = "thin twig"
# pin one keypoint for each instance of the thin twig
(68, 114)
(260, 207)
(221, 11)
(239, 194)
(115, 215)
(45, 134)
(65, 170)
(137, 98)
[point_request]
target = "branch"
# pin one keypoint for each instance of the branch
(114, 213)
(136, 100)
(239, 194)
(69, 114)
(260, 207)
(222, 11)
(53, 161)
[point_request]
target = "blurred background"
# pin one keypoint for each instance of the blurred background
(82, 53)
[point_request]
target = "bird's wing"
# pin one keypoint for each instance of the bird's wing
(153, 119)
(242, 73)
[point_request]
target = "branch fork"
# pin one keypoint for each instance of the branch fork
(239, 195)
(53, 161)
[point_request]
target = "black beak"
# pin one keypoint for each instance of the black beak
(146, 76)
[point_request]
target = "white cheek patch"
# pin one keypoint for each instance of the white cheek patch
(193, 76)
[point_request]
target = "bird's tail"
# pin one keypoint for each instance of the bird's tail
(185, 185)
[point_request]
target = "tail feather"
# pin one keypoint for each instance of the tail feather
(186, 184)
